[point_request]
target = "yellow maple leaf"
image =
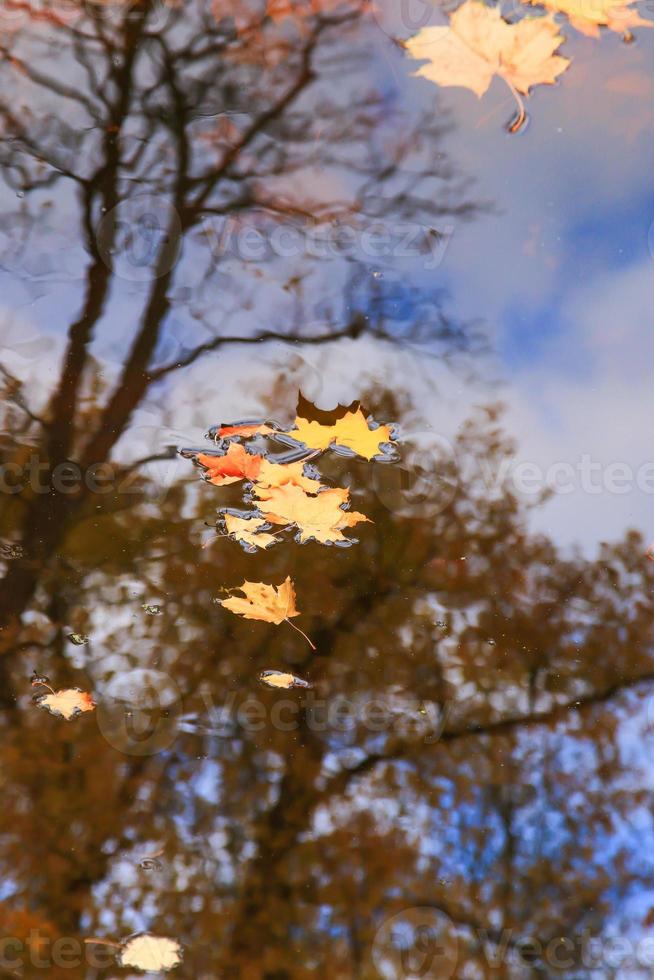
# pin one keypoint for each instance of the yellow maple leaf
(351, 431)
(272, 604)
(246, 530)
(589, 15)
(279, 474)
(479, 43)
(321, 516)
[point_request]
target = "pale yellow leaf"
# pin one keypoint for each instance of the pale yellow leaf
(280, 679)
(589, 15)
(66, 704)
(479, 44)
(246, 531)
(150, 953)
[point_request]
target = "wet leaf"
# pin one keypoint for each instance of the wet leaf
(150, 864)
(479, 44)
(66, 704)
(280, 475)
(230, 467)
(237, 464)
(272, 604)
(151, 954)
(351, 431)
(242, 430)
(79, 639)
(587, 17)
(246, 531)
(151, 608)
(280, 679)
(320, 517)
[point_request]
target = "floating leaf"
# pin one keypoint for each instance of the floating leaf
(150, 864)
(238, 464)
(281, 475)
(79, 639)
(321, 517)
(479, 44)
(230, 467)
(589, 15)
(272, 604)
(242, 430)
(12, 551)
(351, 431)
(149, 953)
(151, 608)
(67, 703)
(246, 531)
(278, 678)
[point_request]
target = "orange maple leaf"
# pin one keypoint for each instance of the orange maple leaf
(234, 465)
(243, 430)
(238, 464)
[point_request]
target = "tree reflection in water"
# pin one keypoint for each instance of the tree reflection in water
(465, 748)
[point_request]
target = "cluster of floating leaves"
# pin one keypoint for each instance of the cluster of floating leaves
(70, 703)
(479, 43)
(288, 493)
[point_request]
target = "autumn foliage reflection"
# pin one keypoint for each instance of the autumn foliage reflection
(497, 786)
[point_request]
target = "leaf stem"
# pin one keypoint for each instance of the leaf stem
(518, 123)
(297, 628)
(42, 684)
(104, 942)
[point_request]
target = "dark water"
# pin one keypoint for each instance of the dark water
(202, 218)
